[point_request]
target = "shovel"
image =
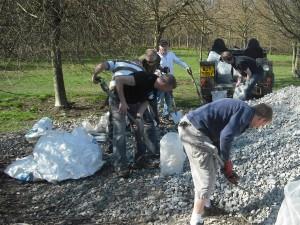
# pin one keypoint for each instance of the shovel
(176, 115)
(196, 86)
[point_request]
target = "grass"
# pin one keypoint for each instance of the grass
(26, 89)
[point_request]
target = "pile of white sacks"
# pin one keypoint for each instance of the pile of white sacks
(266, 160)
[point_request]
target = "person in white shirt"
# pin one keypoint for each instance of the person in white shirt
(217, 48)
(168, 58)
(225, 72)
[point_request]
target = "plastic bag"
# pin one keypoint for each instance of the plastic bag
(39, 128)
(216, 95)
(21, 169)
(101, 127)
(172, 156)
(289, 213)
(240, 92)
(59, 155)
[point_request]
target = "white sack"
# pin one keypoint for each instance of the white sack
(60, 155)
(216, 95)
(21, 168)
(289, 213)
(172, 156)
(39, 128)
(100, 127)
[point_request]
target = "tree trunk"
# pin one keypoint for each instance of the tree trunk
(157, 35)
(55, 12)
(201, 46)
(296, 70)
(294, 47)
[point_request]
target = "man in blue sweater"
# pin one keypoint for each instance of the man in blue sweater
(207, 134)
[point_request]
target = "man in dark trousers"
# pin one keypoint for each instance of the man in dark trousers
(249, 71)
(207, 134)
(131, 95)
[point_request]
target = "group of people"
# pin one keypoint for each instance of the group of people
(206, 133)
(244, 67)
(137, 90)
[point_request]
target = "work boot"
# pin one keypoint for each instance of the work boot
(213, 210)
(199, 223)
(144, 162)
(123, 172)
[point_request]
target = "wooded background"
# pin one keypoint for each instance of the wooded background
(76, 29)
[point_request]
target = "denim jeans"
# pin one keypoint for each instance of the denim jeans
(165, 100)
(145, 135)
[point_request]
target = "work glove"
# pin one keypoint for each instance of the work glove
(230, 175)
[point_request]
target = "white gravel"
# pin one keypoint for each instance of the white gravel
(266, 160)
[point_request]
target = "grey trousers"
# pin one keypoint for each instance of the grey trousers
(202, 161)
(146, 135)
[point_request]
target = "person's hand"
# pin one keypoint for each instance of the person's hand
(230, 175)
(189, 70)
(123, 107)
(95, 79)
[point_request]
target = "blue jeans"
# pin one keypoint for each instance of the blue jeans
(146, 135)
(164, 100)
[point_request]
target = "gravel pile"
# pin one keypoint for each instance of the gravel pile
(266, 159)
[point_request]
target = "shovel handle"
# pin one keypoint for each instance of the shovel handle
(197, 89)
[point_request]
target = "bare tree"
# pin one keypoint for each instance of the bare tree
(163, 14)
(45, 28)
(54, 13)
(286, 14)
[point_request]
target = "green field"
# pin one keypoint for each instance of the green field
(26, 89)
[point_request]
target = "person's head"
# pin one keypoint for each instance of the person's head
(165, 83)
(253, 43)
(219, 46)
(227, 57)
(262, 116)
(151, 56)
(163, 46)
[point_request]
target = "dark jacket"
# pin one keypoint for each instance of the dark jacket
(221, 121)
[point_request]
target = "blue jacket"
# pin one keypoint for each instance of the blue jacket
(221, 121)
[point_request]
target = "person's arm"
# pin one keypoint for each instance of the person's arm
(120, 82)
(232, 129)
(99, 69)
(181, 63)
(249, 73)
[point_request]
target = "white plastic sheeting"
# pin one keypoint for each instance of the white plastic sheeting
(59, 155)
(172, 155)
(100, 127)
(39, 129)
(289, 213)
(216, 95)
